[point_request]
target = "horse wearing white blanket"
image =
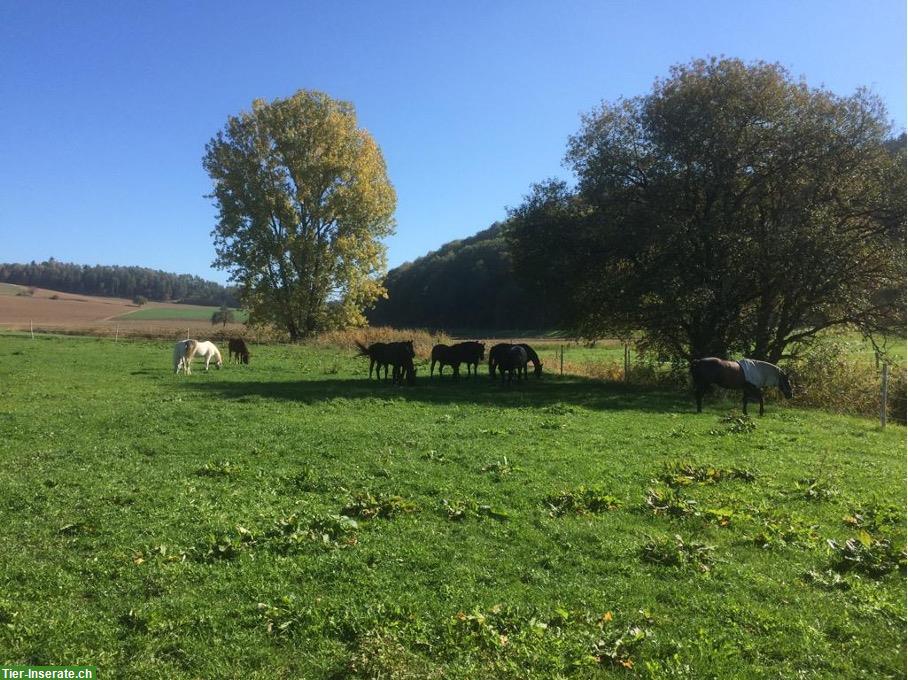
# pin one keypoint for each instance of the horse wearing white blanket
(186, 350)
(748, 375)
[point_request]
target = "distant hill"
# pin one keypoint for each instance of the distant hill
(115, 281)
(466, 284)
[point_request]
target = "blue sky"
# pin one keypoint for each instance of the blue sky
(105, 108)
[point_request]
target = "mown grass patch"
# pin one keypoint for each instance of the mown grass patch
(290, 518)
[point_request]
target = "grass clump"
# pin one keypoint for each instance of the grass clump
(460, 510)
(582, 500)
(675, 552)
(367, 506)
(292, 533)
(682, 473)
(875, 517)
(734, 424)
(866, 554)
(778, 530)
(667, 501)
(816, 490)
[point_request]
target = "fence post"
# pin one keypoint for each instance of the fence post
(884, 395)
(117, 336)
(627, 361)
(561, 347)
(31, 326)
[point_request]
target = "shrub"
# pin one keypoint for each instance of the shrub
(827, 375)
(423, 341)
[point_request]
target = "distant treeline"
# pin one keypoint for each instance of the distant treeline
(115, 281)
(464, 285)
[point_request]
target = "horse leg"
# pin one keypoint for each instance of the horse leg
(761, 402)
(745, 401)
(698, 393)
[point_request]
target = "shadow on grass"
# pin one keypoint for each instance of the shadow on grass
(592, 394)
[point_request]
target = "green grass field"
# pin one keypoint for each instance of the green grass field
(11, 289)
(291, 519)
(178, 314)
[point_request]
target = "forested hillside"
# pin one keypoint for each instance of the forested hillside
(115, 281)
(464, 285)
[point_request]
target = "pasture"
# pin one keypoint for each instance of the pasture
(178, 313)
(291, 519)
(52, 311)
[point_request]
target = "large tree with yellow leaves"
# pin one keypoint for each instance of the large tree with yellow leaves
(303, 202)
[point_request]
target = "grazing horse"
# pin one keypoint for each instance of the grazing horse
(237, 350)
(395, 354)
(405, 371)
(501, 350)
(532, 356)
(442, 355)
(496, 354)
(469, 353)
(748, 375)
(186, 350)
(512, 360)
(183, 352)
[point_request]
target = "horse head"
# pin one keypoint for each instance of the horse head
(784, 385)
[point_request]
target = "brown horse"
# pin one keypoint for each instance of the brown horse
(237, 350)
(746, 375)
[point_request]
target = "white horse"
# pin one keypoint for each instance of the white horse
(185, 351)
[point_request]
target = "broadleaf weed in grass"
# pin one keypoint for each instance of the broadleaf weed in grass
(876, 517)
(815, 489)
(221, 468)
(734, 424)
(866, 554)
(500, 469)
(296, 531)
(683, 473)
(460, 510)
(581, 500)
(667, 501)
(676, 552)
(779, 530)
(369, 506)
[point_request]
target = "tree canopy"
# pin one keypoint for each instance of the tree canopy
(730, 210)
(303, 199)
(117, 281)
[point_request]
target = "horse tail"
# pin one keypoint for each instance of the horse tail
(189, 349)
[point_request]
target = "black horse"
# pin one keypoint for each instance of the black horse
(406, 371)
(511, 360)
(469, 353)
(501, 350)
(398, 355)
(734, 376)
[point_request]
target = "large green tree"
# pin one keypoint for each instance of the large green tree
(304, 201)
(731, 210)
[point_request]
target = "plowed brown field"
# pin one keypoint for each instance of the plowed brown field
(52, 311)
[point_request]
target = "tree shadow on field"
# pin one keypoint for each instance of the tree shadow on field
(592, 394)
